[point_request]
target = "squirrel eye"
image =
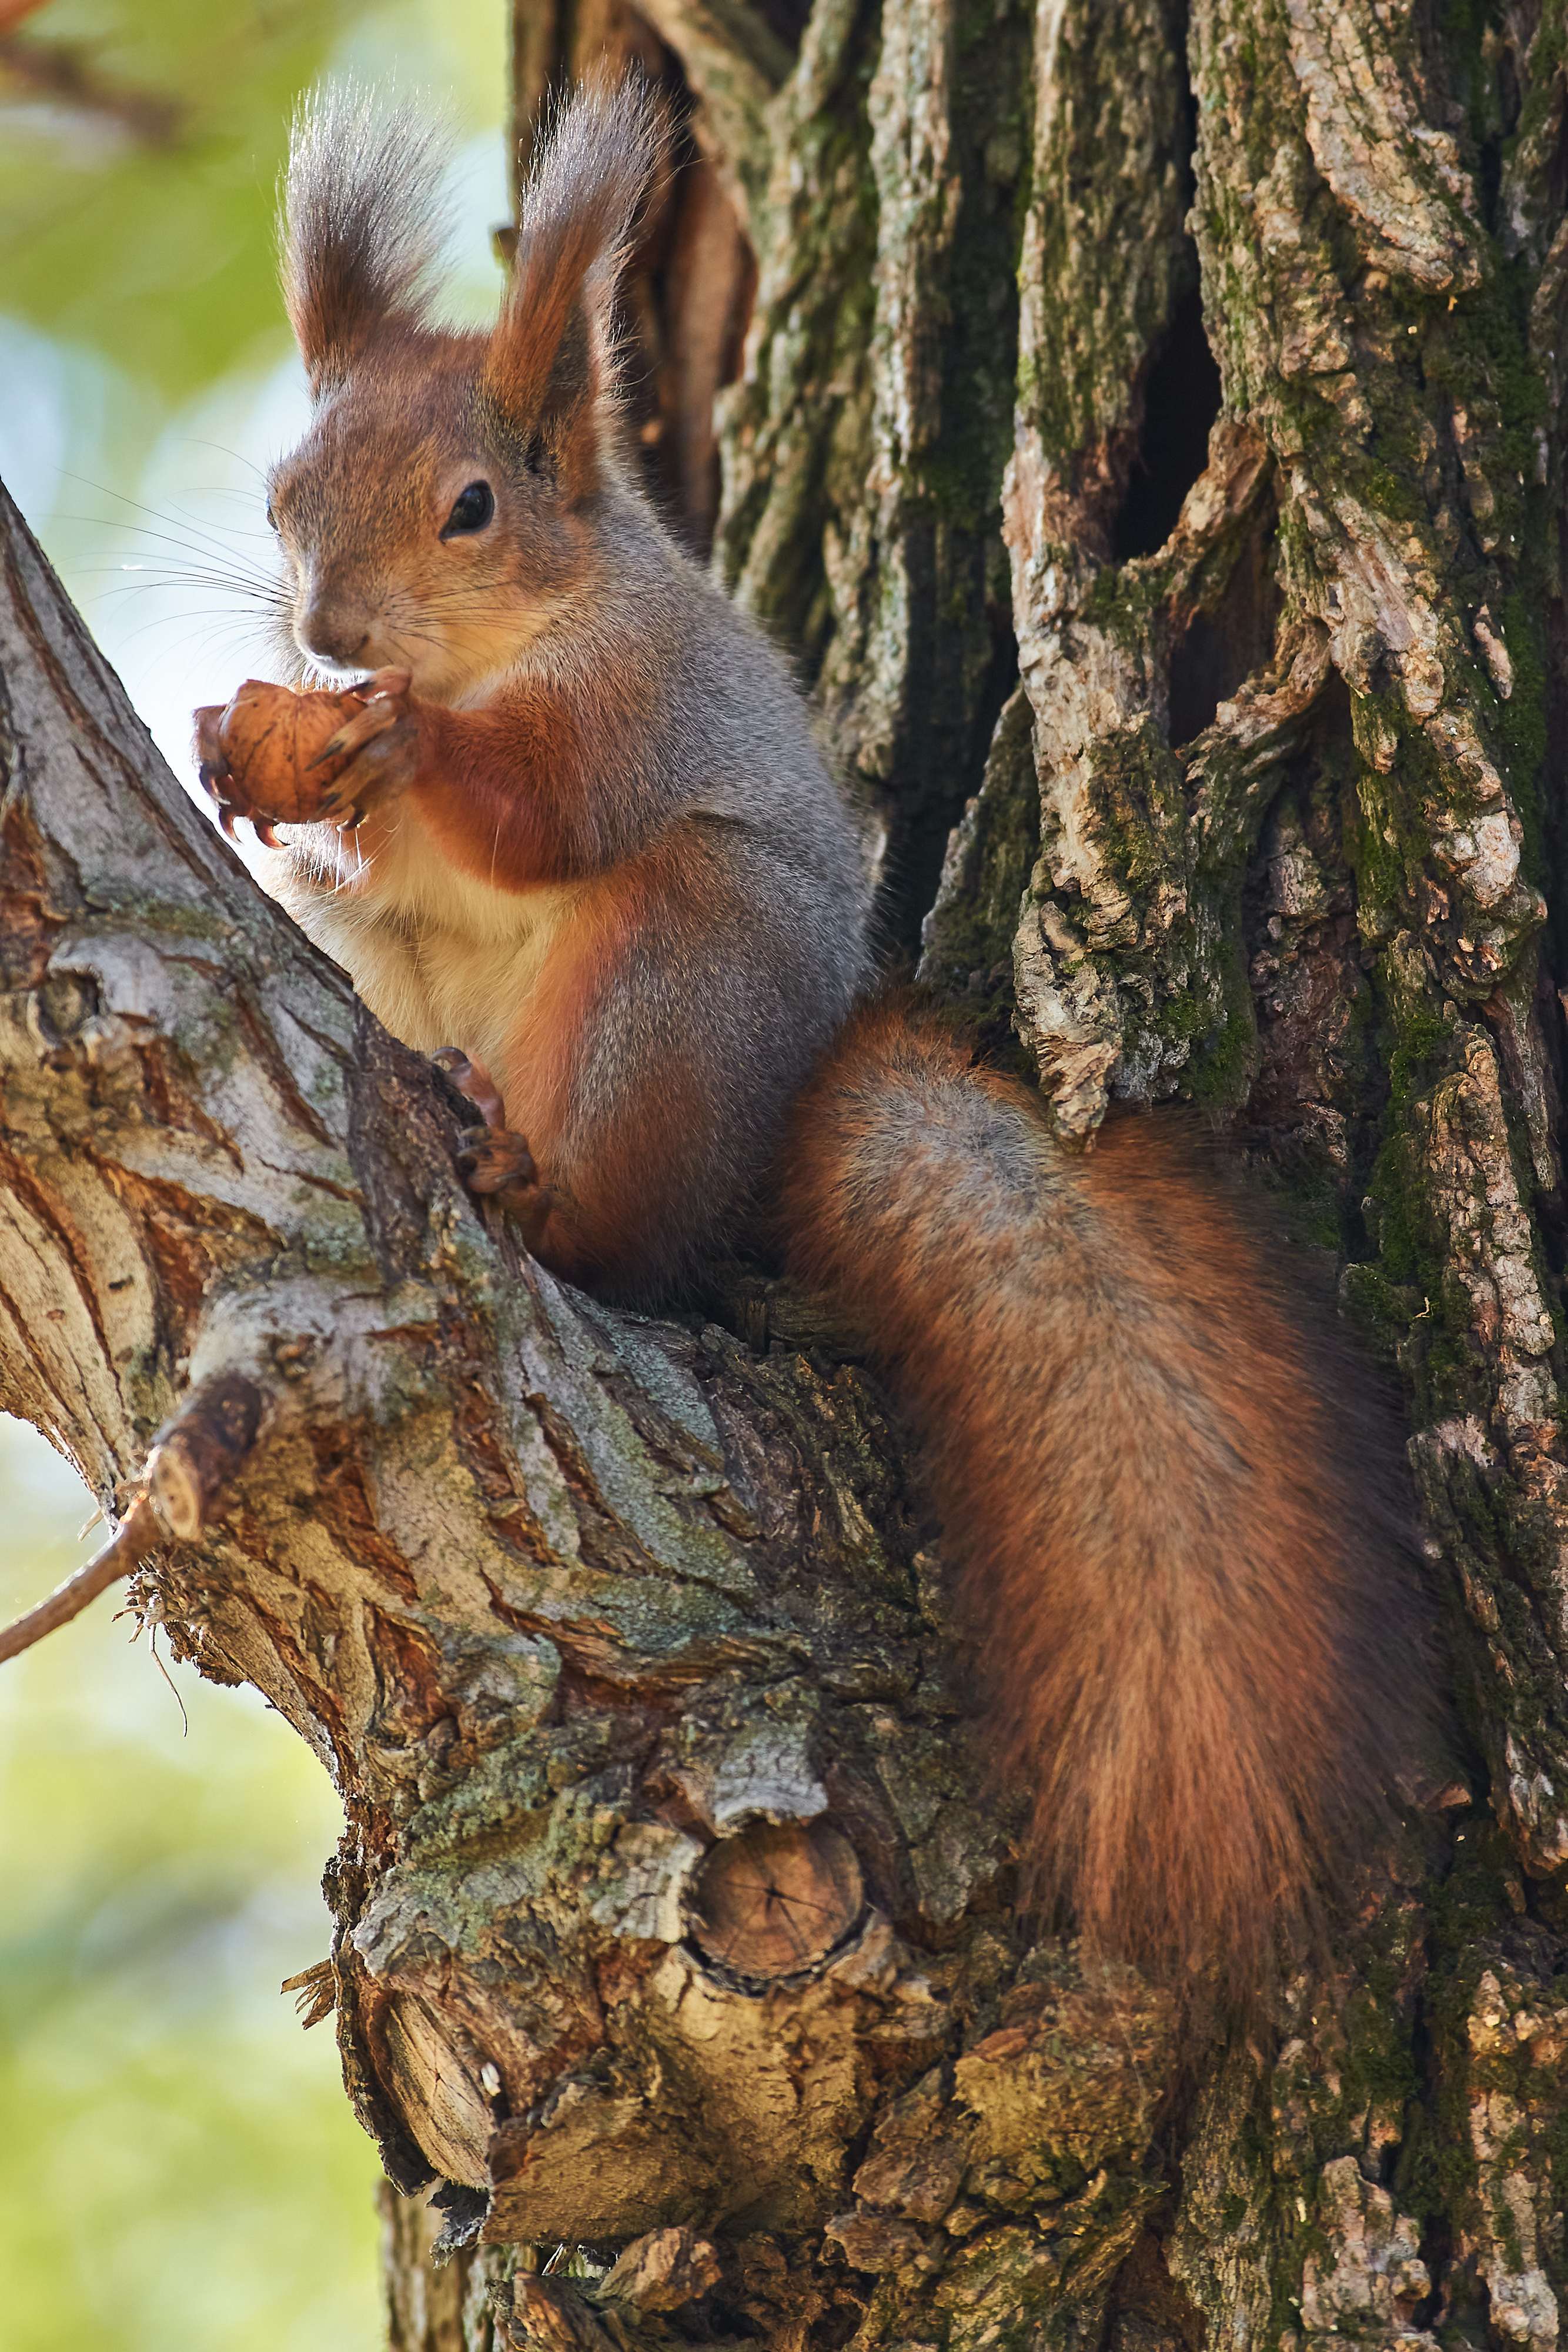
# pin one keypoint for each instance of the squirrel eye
(271, 517)
(470, 512)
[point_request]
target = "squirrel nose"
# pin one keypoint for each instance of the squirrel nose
(334, 626)
(333, 639)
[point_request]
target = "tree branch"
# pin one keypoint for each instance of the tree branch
(600, 1625)
(125, 1551)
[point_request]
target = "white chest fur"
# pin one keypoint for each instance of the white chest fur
(441, 956)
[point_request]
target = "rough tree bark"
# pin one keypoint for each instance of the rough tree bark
(1149, 432)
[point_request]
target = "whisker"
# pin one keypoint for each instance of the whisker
(198, 622)
(203, 554)
(194, 441)
(138, 507)
(230, 613)
(253, 616)
(147, 577)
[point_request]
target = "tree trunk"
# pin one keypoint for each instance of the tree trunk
(1211, 366)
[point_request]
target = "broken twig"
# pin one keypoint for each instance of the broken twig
(193, 1458)
(134, 1538)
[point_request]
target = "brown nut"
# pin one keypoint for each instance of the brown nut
(272, 738)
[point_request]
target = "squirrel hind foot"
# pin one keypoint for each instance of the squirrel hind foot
(493, 1161)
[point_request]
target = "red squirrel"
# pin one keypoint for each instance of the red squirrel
(587, 839)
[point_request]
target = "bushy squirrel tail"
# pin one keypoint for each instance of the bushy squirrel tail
(1168, 1491)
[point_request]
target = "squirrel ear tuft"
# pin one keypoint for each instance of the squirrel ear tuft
(362, 226)
(550, 360)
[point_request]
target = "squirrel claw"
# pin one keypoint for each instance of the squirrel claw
(385, 705)
(381, 745)
(491, 1159)
(355, 733)
(473, 1079)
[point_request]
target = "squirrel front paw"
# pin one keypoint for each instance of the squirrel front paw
(373, 754)
(276, 757)
(218, 780)
(491, 1159)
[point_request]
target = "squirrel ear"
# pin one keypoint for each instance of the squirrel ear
(360, 229)
(550, 360)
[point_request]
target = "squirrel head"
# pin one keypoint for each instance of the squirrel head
(439, 515)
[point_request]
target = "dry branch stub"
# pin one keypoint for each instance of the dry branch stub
(774, 1900)
(195, 1458)
(120, 1558)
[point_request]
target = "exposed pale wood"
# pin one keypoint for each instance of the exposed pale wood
(772, 1901)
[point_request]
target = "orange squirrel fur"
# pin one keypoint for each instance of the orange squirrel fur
(587, 835)
(1162, 1480)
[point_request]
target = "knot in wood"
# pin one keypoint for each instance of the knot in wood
(776, 1899)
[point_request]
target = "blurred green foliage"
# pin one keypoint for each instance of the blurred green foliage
(178, 2165)
(152, 243)
(179, 2170)
(94, 247)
